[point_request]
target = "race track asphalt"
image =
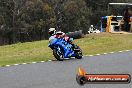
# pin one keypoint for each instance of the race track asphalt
(62, 74)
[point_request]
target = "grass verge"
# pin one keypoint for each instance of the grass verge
(38, 51)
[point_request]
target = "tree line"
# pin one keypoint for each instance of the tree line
(29, 20)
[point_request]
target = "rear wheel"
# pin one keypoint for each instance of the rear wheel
(58, 55)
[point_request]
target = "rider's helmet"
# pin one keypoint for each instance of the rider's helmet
(59, 32)
(52, 31)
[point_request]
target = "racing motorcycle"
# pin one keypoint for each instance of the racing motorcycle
(63, 50)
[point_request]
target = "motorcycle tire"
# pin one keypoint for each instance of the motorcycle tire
(59, 57)
(78, 52)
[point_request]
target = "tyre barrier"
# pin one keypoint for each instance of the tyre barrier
(75, 35)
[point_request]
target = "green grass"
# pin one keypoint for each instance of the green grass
(25, 52)
(38, 50)
(104, 43)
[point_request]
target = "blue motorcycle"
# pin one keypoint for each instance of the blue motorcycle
(64, 50)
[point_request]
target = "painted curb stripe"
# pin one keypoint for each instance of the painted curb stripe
(53, 60)
(98, 54)
(127, 50)
(105, 53)
(16, 64)
(24, 63)
(112, 52)
(91, 55)
(34, 62)
(7, 65)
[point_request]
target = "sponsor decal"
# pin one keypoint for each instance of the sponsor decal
(82, 78)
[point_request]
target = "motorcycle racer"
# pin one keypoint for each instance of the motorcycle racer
(62, 46)
(53, 34)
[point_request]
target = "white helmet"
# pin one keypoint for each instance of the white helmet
(91, 25)
(52, 31)
(60, 32)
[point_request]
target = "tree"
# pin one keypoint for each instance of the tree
(29, 20)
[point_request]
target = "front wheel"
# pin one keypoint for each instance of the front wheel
(58, 55)
(78, 52)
